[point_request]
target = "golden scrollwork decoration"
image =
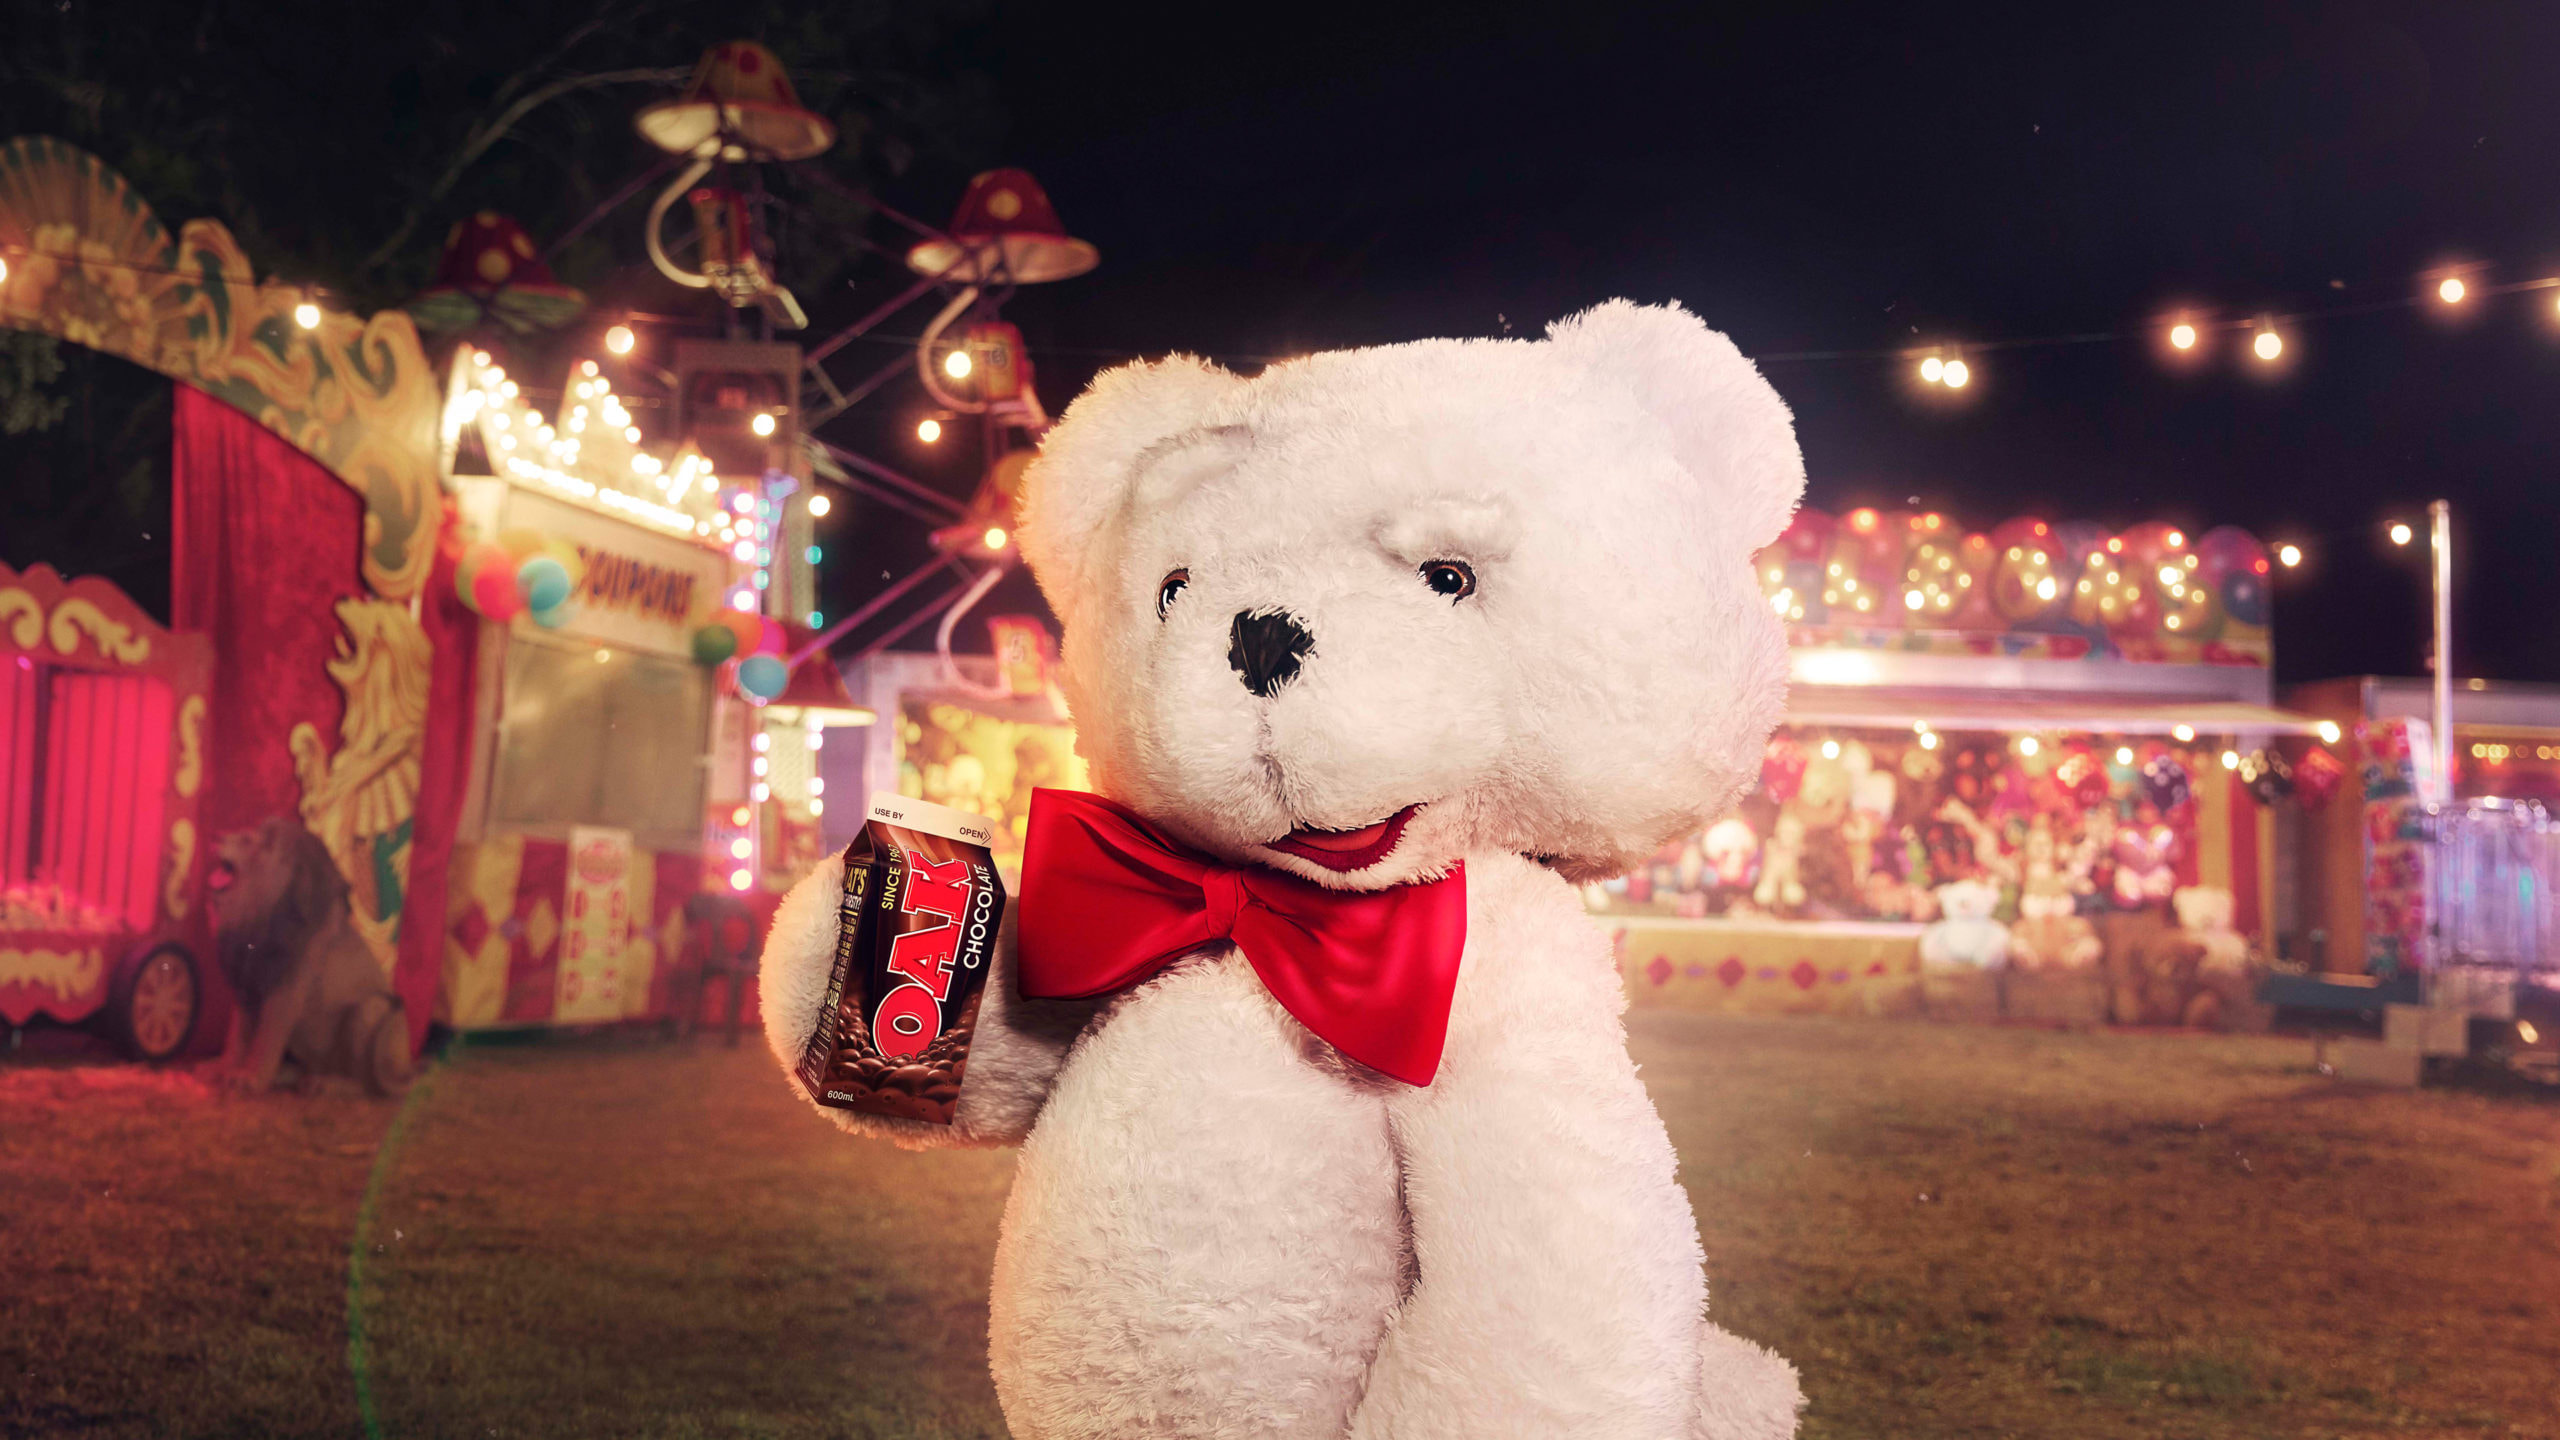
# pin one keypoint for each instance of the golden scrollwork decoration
(114, 640)
(182, 862)
(189, 776)
(24, 617)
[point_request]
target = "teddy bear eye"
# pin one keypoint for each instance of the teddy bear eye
(1452, 578)
(1171, 587)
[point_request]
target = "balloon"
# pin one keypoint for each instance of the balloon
(2227, 548)
(713, 644)
(763, 676)
(544, 583)
(2317, 777)
(476, 557)
(746, 629)
(2164, 783)
(521, 544)
(2267, 775)
(552, 618)
(770, 639)
(570, 560)
(2083, 777)
(493, 590)
(2244, 595)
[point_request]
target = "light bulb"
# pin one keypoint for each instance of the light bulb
(2184, 733)
(928, 430)
(2289, 555)
(1957, 374)
(762, 424)
(307, 315)
(2452, 290)
(2124, 754)
(619, 339)
(742, 847)
(2183, 336)
(819, 505)
(956, 365)
(2329, 732)
(1933, 370)
(995, 537)
(2269, 345)
(2400, 532)
(2027, 745)
(740, 879)
(2230, 759)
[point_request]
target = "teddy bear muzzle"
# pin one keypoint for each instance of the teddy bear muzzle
(1266, 648)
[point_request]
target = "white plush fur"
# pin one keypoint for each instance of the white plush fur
(1219, 1227)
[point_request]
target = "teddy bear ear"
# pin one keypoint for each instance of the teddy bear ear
(1728, 426)
(1091, 459)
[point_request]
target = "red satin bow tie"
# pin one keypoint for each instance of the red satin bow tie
(1108, 900)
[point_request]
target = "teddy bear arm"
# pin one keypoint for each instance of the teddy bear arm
(1015, 1051)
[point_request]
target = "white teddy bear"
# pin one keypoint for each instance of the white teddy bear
(1966, 936)
(1489, 604)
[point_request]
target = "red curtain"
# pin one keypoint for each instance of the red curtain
(265, 544)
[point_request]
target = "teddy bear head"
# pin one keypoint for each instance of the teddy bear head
(1968, 899)
(2203, 908)
(1371, 610)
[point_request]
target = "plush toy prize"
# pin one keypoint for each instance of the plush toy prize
(1327, 1120)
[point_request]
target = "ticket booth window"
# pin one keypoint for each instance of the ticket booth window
(591, 735)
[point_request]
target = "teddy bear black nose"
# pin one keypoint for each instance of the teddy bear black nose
(1266, 649)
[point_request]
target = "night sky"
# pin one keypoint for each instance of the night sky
(1847, 179)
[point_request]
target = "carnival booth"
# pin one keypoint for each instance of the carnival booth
(638, 742)
(2031, 772)
(2367, 869)
(975, 732)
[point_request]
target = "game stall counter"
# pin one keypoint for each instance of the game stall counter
(2031, 773)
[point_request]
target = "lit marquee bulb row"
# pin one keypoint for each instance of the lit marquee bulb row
(594, 454)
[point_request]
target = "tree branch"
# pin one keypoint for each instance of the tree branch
(489, 132)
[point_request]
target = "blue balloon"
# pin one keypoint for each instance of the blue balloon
(2244, 595)
(544, 583)
(763, 676)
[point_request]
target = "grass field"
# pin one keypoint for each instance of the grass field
(1953, 1231)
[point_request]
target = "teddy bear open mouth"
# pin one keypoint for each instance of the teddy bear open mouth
(1347, 850)
(219, 876)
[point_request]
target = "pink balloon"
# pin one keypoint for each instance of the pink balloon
(494, 590)
(771, 640)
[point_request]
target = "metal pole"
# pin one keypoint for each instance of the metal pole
(2440, 517)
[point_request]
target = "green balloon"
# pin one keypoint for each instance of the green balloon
(713, 644)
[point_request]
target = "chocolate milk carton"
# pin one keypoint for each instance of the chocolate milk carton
(915, 938)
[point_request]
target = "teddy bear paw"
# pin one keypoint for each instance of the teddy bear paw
(1745, 1391)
